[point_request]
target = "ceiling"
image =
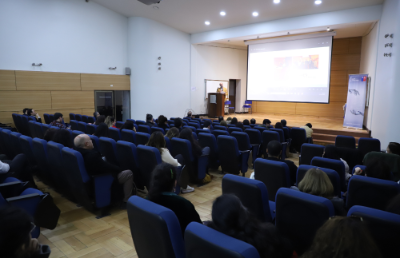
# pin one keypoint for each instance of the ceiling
(189, 15)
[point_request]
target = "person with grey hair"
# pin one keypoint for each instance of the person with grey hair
(95, 165)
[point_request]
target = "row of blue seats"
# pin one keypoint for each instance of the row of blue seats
(79, 118)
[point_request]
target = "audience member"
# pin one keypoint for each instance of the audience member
(18, 168)
(224, 123)
(32, 113)
(394, 205)
(189, 114)
(253, 121)
(101, 130)
(100, 119)
(231, 218)
(48, 136)
(343, 237)
(234, 121)
(278, 125)
(317, 182)
(221, 118)
(96, 115)
(173, 132)
(309, 130)
(178, 123)
(15, 235)
(228, 120)
(207, 125)
(376, 169)
(393, 148)
(59, 121)
(149, 120)
(95, 165)
(283, 122)
(63, 136)
(110, 121)
(266, 123)
(285, 132)
(331, 152)
(24, 111)
(162, 122)
(274, 151)
(128, 125)
(246, 122)
(163, 181)
(240, 125)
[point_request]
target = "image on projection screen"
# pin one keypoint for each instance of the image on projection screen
(293, 71)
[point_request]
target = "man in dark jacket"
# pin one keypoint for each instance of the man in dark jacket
(95, 165)
(149, 120)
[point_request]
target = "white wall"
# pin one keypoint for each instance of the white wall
(368, 64)
(154, 91)
(63, 35)
(216, 63)
(385, 122)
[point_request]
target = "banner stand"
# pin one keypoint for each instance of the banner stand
(356, 97)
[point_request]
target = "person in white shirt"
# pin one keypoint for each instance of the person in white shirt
(16, 168)
(309, 130)
(207, 125)
(157, 141)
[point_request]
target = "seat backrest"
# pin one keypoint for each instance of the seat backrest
(202, 241)
(203, 131)
(39, 130)
(39, 148)
(76, 133)
(142, 138)
(266, 137)
(190, 127)
(152, 223)
(384, 227)
(183, 147)
(15, 143)
(91, 128)
(114, 133)
(334, 164)
(309, 151)
(119, 124)
(82, 127)
(366, 145)
(128, 135)
(96, 142)
(127, 156)
(229, 154)
(46, 118)
(149, 158)
(220, 132)
(194, 124)
(74, 125)
(32, 129)
(45, 127)
(85, 118)
(144, 128)
(71, 117)
(248, 102)
(300, 215)
(7, 143)
(91, 119)
(252, 193)
(332, 174)
(274, 174)
(254, 136)
(344, 141)
(140, 122)
(27, 149)
(281, 134)
(220, 127)
(370, 192)
(208, 140)
(243, 140)
(299, 137)
(78, 117)
(234, 129)
(108, 148)
(261, 129)
(168, 143)
(25, 126)
(157, 129)
(56, 168)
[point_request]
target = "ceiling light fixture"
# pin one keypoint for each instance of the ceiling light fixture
(277, 1)
(207, 23)
(328, 29)
(222, 13)
(255, 14)
(318, 2)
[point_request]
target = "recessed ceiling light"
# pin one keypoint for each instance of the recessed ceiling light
(207, 23)
(277, 1)
(255, 14)
(222, 13)
(328, 29)
(318, 2)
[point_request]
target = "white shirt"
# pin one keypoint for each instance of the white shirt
(4, 168)
(309, 131)
(167, 158)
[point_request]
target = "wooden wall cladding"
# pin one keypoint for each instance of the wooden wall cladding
(15, 101)
(103, 82)
(346, 56)
(7, 80)
(72, 99)
(28, 80)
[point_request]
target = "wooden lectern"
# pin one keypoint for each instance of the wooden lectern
(216, 109)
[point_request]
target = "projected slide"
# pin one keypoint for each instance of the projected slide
(295, 71)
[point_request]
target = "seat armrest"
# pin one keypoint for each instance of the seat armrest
(245, 160)
(102, 189)
(202, 165)
(284, 147)
(22, 197)
(12, 189)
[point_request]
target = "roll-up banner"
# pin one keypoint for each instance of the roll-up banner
(356, 96)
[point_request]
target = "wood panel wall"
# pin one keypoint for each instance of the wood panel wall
(346, 56)
(50, 92)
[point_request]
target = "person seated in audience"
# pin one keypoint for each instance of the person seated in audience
(15, 235)
(309, 130)
(317, 182)
(100, 119)
(18, 168)
(393, 148)
(285, 132)
(128, 125)
(48, 136)
(274, 151)
(163, 122)
(157, 141)
(24, 111)
(376, 169)
(394, 205)
(207, 125)
(266, 123)
(284, 123)
(32, 113)
(173, 132)
(231, 218)
(240, 125)
(164, 178)
(331, 152)
(221, 118)
(189, 114)
(178, 123)
(224, 123)
(96, 115)
(343, 237)
(110, 121)
(234, 121)
(63, 137)
(278, 125)
(246, 122)
(59, 121)
(150, 120)
(95, 165)
(101, 130)
(253, 121)
(228, 120)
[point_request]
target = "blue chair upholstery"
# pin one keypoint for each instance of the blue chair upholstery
(266, 137)
(144, 129)
(96, 197)
(334, 164)
(190, 127)
(208, 140)
(252, 193)
(202, 241)
(203, 131)
(47, 118)
(78, 117)
(128, 159)
(274, 174)
(234, 129)
(82, 127)
(332, 174)
(261, 129)
(220, 127)
(247, 104)
(108, 148)
(76, 133)
(232, 160)
(281, 134)
(27, 149)
(299, 137)
(157, 129)
(91, 119)
(132, 120)
(149, 158)
(140, 122)
(119, 124)
(85, 118)
(243, 140)
(45, 127)
(96, 142)
(370, 192)
(91, 128)
(309, 151)
(32, 129)
(51, 117)
(255, 141)
(128, 135)
(300, 215)
(38, 130)
(15, 143)
(71, 117)
(74, 125)
(6, 143)
(151, 223)
(194, 124)
(142, 138)
(114, 134)
(343, 141)
(366, 145)
(39, 148)
(384, 227)
(25, 125)
(216, 133)
(168, 143)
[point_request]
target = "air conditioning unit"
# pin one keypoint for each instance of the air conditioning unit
(150, 2)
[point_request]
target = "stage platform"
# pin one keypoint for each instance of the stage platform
(325, 128)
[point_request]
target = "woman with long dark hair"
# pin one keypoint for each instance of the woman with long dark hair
(162, 122)
(100, 119)
(162, 184)
(128, 126)
(231, 218)
(101, 130)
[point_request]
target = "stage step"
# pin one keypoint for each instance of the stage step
(354, 133)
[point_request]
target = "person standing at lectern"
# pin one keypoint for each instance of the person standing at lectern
(221, 89)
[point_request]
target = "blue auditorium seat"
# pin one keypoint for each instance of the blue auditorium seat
(39, 148)
(299, 137)
(71, 117)
(108, 148)
(82, 127)
(232, 160)
(190, 127)
(15, 143)
(343, 141)
(366, 145)
(47, 118)
(128, 160)
(243, 140)
(266, 137)
(91, 128)
(128, 135)
(119, 124)
(85, 118)
(114, 133)
(78, 117)
(220, 127)
(234, 129)
(149, 158)
(208, 140)
(142, 138)
(217, 133)
(27, 149)
(96, 142)
(74, 125)
(156, 129)
(144, 129)
(309, 151)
